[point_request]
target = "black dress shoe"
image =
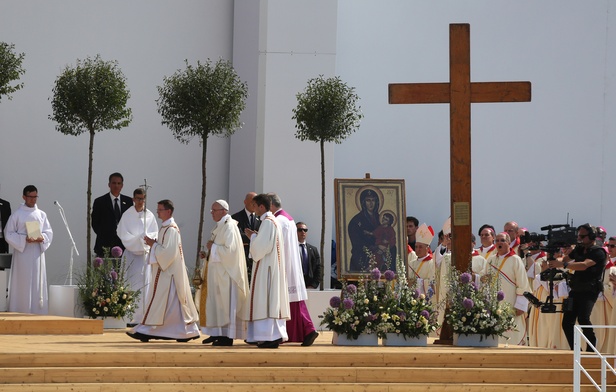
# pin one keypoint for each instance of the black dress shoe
(251, 343)
(209, 340)
(270, 344)
(131, 325)
(187, 339)
(140, 336)
(310, 338)
(223, 341)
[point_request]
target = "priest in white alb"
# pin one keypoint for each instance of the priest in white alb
(29, 233)
(226, 304)
(300, 327)
(269, 298)
(132, 228)
(513, 282)
(170, 312)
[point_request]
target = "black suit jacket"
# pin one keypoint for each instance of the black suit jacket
(242, 223)
(313, 275)
(104, 223)
(5, 212)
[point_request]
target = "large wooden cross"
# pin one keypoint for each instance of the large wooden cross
(460, 92)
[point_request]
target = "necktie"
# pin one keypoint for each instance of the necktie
(116, 210)
(252, 221)
(304, 258)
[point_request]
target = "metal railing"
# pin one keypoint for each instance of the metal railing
(578, 355)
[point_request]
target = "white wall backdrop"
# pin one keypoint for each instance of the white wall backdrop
(532, 162)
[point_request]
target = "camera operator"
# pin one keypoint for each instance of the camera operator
(587, 260)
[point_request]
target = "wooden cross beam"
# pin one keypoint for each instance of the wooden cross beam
(460, 92)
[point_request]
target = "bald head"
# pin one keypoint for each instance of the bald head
(248, 204)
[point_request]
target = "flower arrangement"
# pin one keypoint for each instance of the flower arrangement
(405, 310)
(477, 309)
(104, 290)
(381, 307)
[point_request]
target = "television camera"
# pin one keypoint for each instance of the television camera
(557, 237)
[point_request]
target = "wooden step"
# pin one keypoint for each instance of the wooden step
(295, 387)
(35, 324)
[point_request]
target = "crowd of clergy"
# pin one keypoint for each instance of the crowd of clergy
(519, 266)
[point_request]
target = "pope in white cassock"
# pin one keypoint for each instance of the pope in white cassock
(28, 281)
(131, 230)
(269, 299)
(513, 282)
(227, 301)
(170, 313)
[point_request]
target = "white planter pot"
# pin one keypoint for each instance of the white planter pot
(397, 340)
(475, 340)
(365, 339)
(113, 323)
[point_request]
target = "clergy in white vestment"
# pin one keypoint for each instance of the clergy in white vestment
(131, 230)
(611, 338)
(422, 269)
(170, 313)
(533, 262)
(513, 282)
(602, 312)
(269, 297)
(300, 327)
(29, 233)
(226, 304)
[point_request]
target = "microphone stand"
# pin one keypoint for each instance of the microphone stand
(73, 247)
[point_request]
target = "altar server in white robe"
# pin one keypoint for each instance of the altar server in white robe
(513, 282)
(131, 230)
(170, 312)
(28, 281)
(269, 298)
(300, 327)
(226, 304)
(422, 268)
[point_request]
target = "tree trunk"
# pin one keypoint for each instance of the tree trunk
(89, 202)
(200, 233)
(322, 145)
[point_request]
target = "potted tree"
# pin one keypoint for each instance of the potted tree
(327, 111)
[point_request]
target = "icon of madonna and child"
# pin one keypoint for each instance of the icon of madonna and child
(372, 234)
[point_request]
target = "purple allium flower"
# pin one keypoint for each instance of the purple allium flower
(348, 303)
(114, 275)
(390, 275)
(351, 289)
(415, 294)
(375, 274)
(468, 303)
(334, 302)
(98, 262)
(500, 295)
(425, 313)
(465, 278)
(116, 251)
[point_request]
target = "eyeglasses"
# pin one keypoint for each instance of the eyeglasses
(304, 230)
(502, 240)
(612, 246)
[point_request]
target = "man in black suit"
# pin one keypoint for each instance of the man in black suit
(5, 212)
(311, 261)
(247, 218)
(106, 213)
